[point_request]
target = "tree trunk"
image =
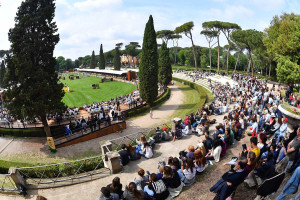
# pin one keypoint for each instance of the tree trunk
(270, 67)
(236, 62)
(46, 126)
(251, 64)
(210, 56)
(193, 46)
(227, 59)
(266, 72)
(218, 54)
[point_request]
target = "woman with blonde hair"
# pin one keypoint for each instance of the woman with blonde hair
(200, 162)
(141, 145)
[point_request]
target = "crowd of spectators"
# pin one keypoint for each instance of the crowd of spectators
(271, 148)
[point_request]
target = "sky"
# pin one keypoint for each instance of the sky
(84, 24)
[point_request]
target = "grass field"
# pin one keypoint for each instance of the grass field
(82, 92)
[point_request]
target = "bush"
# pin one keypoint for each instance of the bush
(19, 132)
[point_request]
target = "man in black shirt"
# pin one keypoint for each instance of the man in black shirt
(124, 156)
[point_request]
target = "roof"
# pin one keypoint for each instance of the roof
(107, 71)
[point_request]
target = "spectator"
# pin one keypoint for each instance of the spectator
(190, 154)
(157, 188)
(147, 152)
(107, 195)
(281, 132)
(116, 187)
(124, 155)
(230, 180)
(291, 186)
(141, 180)
(215, 152)
(132, 193)
(189, 172)
(132, 152)
(172, 181)
(200, 162)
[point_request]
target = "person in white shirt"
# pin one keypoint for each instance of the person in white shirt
(148, 150)
(215, 152)
(189, 172)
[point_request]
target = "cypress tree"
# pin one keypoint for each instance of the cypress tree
(31, 80)
(101, 59)
(117, 59)
(93, 61)
(2, 73)
(164, 65)
(148, 68)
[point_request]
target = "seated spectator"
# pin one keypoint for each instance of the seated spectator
(254, 147)
(229, 137)
(254, 128)
(189, 172)
(116, 187)
(190, 153)
(281, 132)
(251, 162)
(147, 152)
(177, 134)
(262, 143)
(132, 152)
(207, 142)
(177, 166)
(158, 135)
(132, 193)
(200, 162)
(165, 134)
(215, 152)
(140, 144)
(293, 148)
(275, 127)
(172, 181)
(141, 180)
(230, 180)
(187, 130)
(160, 172)
(107, 195)
(124, 155)
(291, 186)
(157, 188)
(267, 170)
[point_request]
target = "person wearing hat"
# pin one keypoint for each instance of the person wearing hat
(281, 132)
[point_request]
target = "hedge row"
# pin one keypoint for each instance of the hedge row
(200, 89)
(146, 108)
(30, 132)
(54, 170)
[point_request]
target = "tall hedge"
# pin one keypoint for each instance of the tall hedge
(117, 59)
(101, 58)
(164, 65)
(148, 68)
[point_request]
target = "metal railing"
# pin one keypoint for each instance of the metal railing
(7, 184)
(66, 173)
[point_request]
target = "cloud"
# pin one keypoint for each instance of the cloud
(89, 5)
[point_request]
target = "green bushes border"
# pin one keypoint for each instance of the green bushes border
(155, 104)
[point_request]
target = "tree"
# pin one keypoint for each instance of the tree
(93, 60)
(227, 28)
(181, 56)
(216, 27)
(2, 72)
(117, 59)
(76, 63)
(283, 43)
(31, 81)
(187, 30)
(119, 45)
(164, 65)
(175, 38)
(250, 38)
(209, 35)
(148, 68)
(101, 58)
(164, 35)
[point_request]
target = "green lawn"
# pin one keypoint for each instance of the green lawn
(82, 92)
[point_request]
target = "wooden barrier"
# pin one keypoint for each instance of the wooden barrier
(105, 131)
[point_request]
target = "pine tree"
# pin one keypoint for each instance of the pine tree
(93, 61)
(117, 59)
(101, 58)
(164, 65)
(148, 68)
(2, 73)
(31, 80)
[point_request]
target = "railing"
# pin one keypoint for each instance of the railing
(65, 173)
(7, 184)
